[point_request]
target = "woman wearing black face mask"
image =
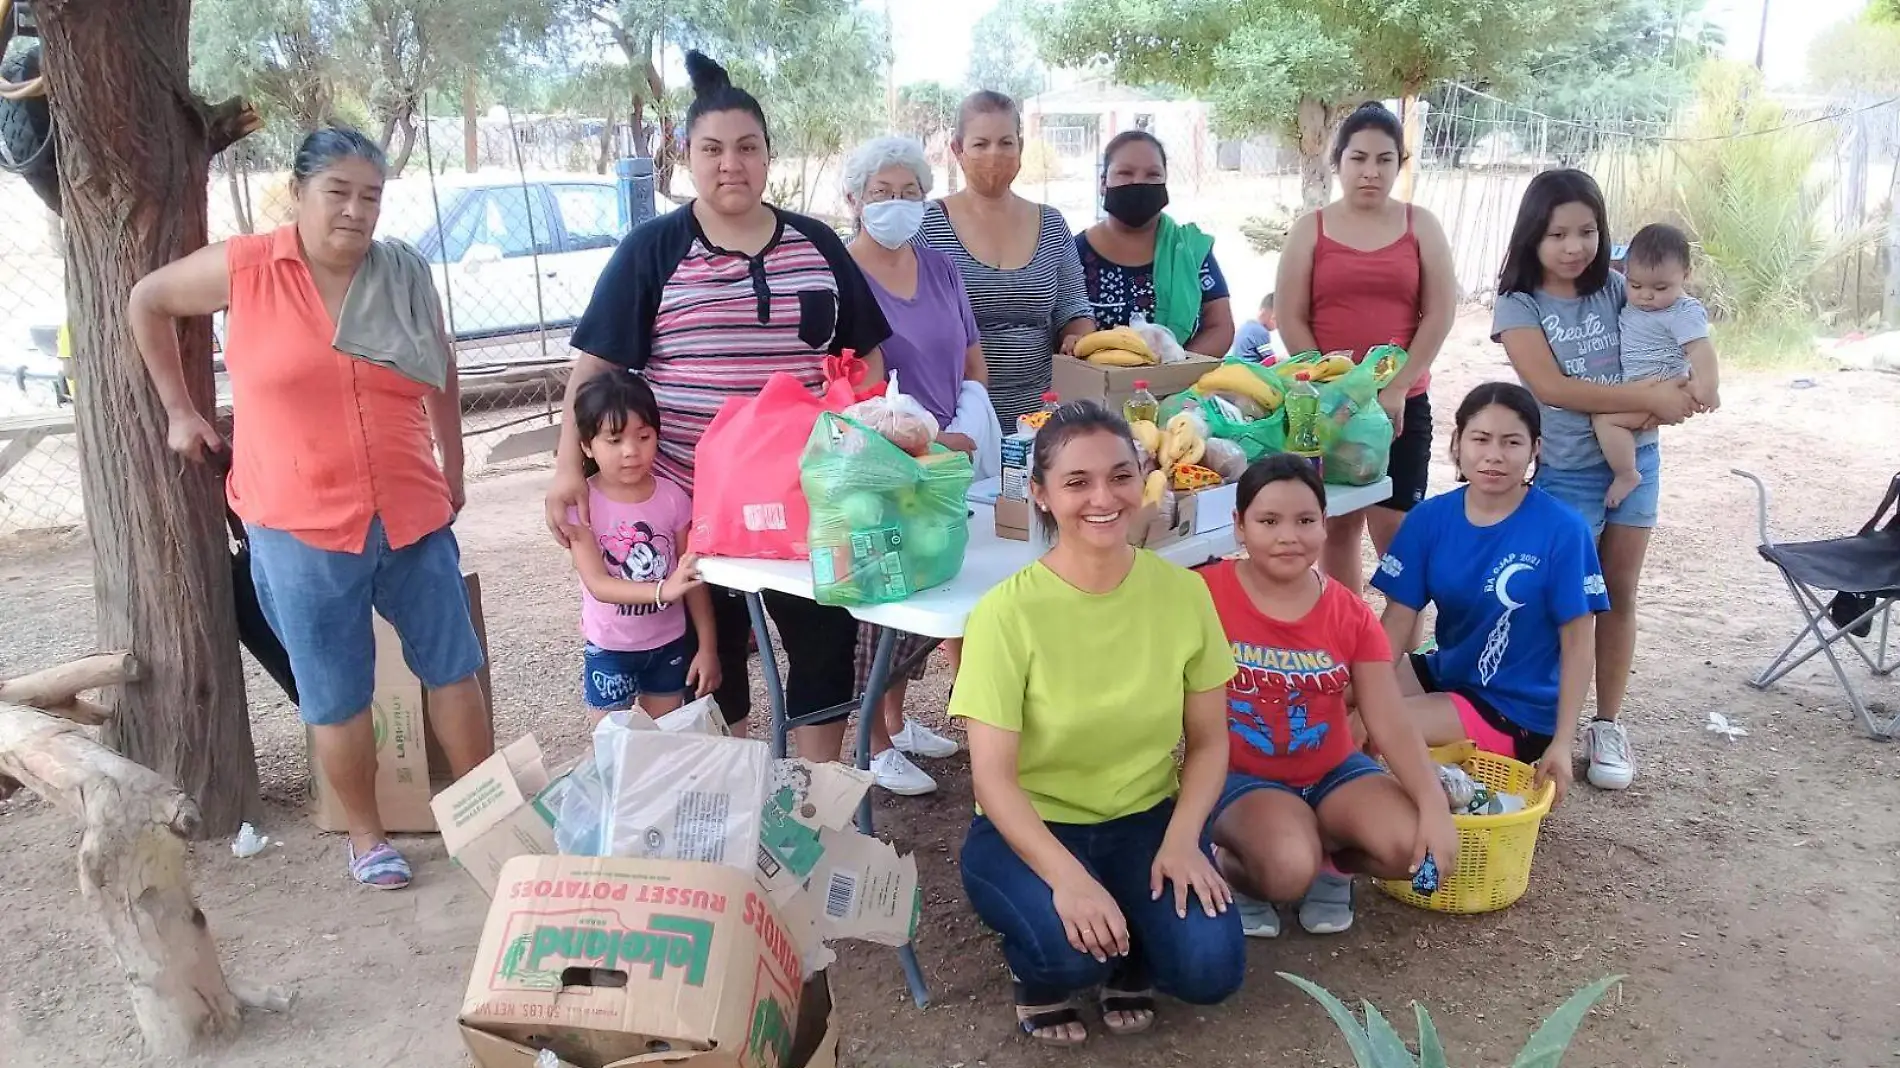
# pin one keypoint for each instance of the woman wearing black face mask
(1140, 263)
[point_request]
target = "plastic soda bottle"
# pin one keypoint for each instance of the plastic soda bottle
(1029, 424)
(1302, 421)
(1141, 405)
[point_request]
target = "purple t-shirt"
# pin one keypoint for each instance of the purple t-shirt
(929, 333)
(638, 543)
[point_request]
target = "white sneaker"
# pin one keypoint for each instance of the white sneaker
(896, 774)
(1611, 767)
(920, 741)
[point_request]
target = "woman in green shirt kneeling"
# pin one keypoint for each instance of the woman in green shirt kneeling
(1081, 675)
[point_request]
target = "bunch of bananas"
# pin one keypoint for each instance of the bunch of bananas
(1317, 368)
(1233, 378)
(1178, 451)
(1120, 347)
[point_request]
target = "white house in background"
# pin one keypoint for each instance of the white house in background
(1078, 120)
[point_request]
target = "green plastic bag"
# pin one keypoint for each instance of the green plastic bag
(1256, 437)
(884, 524)
(1358, 451)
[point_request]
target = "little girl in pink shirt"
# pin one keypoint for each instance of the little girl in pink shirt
(640, 586)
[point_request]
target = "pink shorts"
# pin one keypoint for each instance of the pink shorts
(1482, 723)
(1480, 730)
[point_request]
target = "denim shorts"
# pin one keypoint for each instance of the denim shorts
(318, 602)
(612, 678)
(1583, 489)
(1240, 784)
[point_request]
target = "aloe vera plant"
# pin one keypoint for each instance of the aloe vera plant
(1375, 1044)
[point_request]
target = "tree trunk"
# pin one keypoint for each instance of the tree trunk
(405, 143)
(238, 207)
(606, 144)
(471, 125)
(1315, 121)
(134, 196)
(132, 870)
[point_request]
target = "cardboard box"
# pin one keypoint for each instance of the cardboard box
(687, 797)
(410, 766)
(814, 1037)
(1012, 519)
(1149, 529)
(1075, 379)
(503, 809)
(1212, 508)
(854, 885)
(601, 960)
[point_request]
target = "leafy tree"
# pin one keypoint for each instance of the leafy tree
(1858, 57)
(926, 109)
(1003, 52)
(1630, 65)
(400, 49)
(818, 68)
(279, 54)
(1293, 65)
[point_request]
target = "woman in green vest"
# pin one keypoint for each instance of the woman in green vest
(1138, 263)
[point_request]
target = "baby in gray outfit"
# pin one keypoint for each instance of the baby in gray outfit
(1665, 334)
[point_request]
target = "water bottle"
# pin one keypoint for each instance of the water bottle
(1141, 405)
(1302, 421)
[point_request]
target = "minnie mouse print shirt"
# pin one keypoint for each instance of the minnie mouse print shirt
(638, 543)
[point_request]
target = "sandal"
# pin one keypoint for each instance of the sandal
(1036, 1021)
(1128, 1003)
(382, 868)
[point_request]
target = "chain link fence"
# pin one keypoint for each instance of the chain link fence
(518, 240)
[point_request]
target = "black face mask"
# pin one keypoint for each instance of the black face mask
(1135, 205)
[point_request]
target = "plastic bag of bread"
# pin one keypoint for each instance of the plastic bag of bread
(1160, 341)
(1226, 458)
(899, 417)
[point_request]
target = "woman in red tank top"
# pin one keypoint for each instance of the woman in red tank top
(1369, 270)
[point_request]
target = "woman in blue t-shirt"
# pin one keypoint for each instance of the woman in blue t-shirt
(1514, 575)
(1556, 316)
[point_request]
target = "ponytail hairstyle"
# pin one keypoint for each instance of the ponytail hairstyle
(1072, 420)
(714, 92)
(1370, 115)
(1513, 398)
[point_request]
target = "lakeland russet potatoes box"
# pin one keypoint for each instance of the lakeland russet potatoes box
(604, 959)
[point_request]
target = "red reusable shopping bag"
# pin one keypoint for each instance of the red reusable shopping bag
(746, 498)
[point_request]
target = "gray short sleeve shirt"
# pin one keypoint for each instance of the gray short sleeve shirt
(1584, 337)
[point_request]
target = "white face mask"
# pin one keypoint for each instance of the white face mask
(892, 223)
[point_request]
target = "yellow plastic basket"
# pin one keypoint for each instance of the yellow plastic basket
(1494, 852)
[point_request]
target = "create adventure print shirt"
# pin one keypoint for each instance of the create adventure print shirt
(1287, 719)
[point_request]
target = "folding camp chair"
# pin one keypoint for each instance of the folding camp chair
(1863, 571)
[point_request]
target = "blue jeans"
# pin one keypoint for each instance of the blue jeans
(1200, 960)
(1583, 489)
(612, 678)
(318, 602)
(1240, 784)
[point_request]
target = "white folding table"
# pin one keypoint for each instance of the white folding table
(939, 612)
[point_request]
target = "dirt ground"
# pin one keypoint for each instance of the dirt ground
(1746, 887)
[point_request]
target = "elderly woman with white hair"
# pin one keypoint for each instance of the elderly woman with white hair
(938, 360)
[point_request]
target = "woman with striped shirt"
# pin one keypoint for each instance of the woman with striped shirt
(707, 303)
(1018, 262)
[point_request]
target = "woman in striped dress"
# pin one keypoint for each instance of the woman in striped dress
(1018, 262)
(707, 303)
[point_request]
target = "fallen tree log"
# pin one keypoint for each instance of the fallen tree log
(59, 685)
(132, 869)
